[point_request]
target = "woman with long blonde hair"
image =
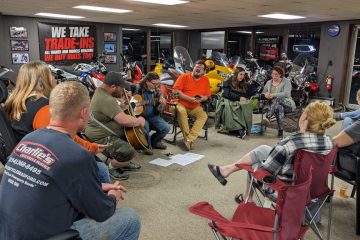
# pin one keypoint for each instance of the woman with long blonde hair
(278, 160)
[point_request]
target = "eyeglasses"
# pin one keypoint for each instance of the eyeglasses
(155, 84)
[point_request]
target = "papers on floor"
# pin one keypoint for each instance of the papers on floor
(181, 159)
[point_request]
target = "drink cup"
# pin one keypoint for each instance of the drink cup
(342, 191)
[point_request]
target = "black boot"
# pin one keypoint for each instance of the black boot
(280, 133)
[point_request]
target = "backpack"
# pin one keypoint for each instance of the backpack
(7, 137)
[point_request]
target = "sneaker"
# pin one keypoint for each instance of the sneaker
(242, 134)
(148, 151)
(131, 166)
(265, 122)
(337, 116)
(160, 145)
(118, 174)
(187, 144)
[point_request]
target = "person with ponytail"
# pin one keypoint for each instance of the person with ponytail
(278, 160)
(233, 109)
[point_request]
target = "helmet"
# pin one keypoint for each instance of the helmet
(209, 64)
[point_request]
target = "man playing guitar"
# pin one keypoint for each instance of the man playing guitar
(151, 93)
(109, 117)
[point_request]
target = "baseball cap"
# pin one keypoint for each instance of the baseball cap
(115, 78)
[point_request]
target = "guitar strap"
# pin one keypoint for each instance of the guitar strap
(102, 125)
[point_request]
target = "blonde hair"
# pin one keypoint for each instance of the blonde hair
(67, 100)
(34, 79)
(319, 116)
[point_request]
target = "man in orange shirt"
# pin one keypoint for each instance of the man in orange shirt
(192, 88)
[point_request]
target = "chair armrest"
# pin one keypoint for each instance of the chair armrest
(204, 209)
(259, 174)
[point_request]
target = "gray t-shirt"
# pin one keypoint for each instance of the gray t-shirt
(354, 131)
(104, 108)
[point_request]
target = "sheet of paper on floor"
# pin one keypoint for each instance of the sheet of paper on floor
(162, 162)
(183, 159)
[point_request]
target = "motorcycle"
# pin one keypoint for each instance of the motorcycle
(5, 83)
(285, 64)
(67, 73)
(132, 69)
(258, 75)
(303, 76)
(220, 69)
(182, 64)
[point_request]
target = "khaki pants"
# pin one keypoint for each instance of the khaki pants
(198, 114)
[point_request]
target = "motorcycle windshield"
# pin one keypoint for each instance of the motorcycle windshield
(182, 59)
(220, 59)
(236, 61)
(304, 64)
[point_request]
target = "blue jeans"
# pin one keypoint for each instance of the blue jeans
(103, 172)
(123, 225)
(349, 118)
(161, 127)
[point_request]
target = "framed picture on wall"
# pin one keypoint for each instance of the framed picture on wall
(20, 58)
(110, 59)
(110, 37)
(110, 48)
(19, 45)
(18, 32)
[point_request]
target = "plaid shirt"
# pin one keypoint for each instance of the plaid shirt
(280, 160)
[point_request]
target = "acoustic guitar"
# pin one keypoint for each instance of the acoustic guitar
(138, 103)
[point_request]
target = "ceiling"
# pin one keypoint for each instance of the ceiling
(197, 14)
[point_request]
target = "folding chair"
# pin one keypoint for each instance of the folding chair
(170, 114)
(252, 222)
(347, 168)
(319, 194)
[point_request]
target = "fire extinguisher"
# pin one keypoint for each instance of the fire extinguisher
(329, 82)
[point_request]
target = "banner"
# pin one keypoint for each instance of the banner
(66, 44)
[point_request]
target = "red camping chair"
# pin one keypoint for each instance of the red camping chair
(319, 193)
(256, 223)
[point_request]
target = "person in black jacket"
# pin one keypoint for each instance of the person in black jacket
(237, 91)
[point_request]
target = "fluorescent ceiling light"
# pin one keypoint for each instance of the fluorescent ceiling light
(169, 25)
(163, 2)
(126, 38)
(102, 9)
(54, 15)
(131, 29)
(231, 41)
(248, 32)
(156, 40)
(282, 16)
(155, 36)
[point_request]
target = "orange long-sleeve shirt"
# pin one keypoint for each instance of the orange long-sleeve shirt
(42, 119)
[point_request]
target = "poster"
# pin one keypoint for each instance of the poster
(67, 44)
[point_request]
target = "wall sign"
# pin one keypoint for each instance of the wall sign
(333, 30)
(66, 44)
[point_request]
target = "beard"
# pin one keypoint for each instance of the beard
(117, 94)
(197, 74)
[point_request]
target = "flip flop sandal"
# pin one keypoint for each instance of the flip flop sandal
(216, 172)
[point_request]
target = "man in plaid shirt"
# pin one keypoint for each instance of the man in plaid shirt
(316, 118)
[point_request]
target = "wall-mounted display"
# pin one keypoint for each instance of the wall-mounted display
(18, 32)
(110, 48)
(67, 43)
(110, 59)
(20, 58)
(109, 37)
(19, 45)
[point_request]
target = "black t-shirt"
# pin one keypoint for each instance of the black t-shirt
(25, 124)
(48, 183)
